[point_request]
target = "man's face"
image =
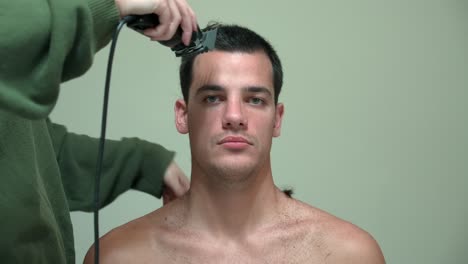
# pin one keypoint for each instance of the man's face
(231, 114)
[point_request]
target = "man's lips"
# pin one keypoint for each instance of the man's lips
(234, 139)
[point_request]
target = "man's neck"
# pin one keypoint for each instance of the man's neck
(234, 211)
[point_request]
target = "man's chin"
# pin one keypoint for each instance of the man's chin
(234, 171)
(235, 162)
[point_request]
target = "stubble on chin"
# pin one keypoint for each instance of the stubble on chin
(232, 174)
(229, 171)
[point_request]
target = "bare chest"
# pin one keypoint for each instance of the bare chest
(274, 248)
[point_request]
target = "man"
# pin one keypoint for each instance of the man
(233, 212)
(46, 171)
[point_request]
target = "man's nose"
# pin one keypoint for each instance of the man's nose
(234, 115)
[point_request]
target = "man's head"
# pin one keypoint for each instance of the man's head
(230, 108)
(232, 38)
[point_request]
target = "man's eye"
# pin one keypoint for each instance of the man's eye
(256, 101)
(212, 99)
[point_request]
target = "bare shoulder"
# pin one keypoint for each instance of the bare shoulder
(119, 243)
(349, 243)
(341, 241)
(132, 242)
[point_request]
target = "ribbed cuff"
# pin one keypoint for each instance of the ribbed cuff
(155, 163)
(105, 18)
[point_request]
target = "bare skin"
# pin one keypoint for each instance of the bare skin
(298, 234)
(233, 212)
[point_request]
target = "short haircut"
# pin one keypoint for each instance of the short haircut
(234, 38)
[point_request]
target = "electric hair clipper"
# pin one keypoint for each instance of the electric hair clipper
(200, 42)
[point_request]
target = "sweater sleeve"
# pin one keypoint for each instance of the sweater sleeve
(44, 43)
(129, 163)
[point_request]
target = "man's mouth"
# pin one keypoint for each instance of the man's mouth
(235, 143)
(234, 140)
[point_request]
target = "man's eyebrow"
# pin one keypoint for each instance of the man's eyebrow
(258, 89)
(209, 88)
(217, 88)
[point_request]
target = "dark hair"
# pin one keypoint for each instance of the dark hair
(289, 192)
(233, 38)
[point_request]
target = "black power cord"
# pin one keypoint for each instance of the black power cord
(200, 42)
(102, 139)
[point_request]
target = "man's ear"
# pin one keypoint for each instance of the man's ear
(180, 110)
(278, 119)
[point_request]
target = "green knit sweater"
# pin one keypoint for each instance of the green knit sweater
(46, 171)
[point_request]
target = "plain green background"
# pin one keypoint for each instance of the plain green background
(375, 129)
